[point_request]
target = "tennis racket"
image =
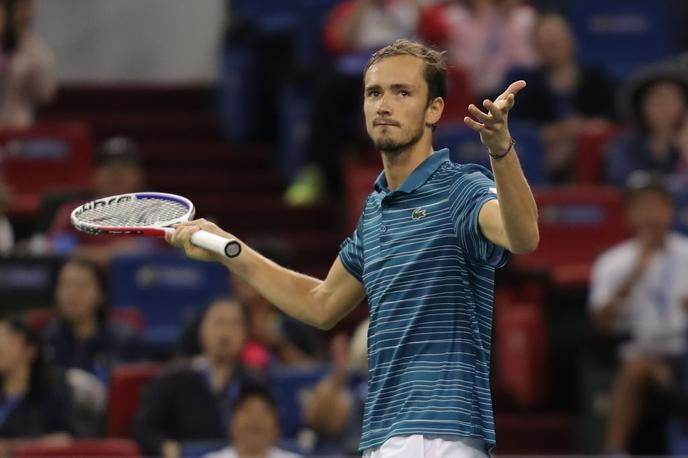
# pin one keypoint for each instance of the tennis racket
(146, 213)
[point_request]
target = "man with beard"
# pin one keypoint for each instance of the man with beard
(424, 252)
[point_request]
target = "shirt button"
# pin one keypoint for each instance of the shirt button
(383, 228)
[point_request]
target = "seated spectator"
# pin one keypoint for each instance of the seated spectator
(639, 290)
(354, 28)
(6, 231)
(656, 100)
(117, 171)
(255, 429)
(288, 341)
(486, 38)
(33, 403)
(563, 96)
(334, 411)
(26, 65)
(81, 336)
(193, 402)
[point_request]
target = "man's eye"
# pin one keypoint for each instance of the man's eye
(373, 93)
(404, 93)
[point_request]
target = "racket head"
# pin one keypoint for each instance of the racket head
(141, 213)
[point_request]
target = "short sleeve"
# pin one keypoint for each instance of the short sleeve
(602, 285)
(473, 189)
(351, 252)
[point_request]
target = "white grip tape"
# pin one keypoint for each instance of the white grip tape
(216, 244)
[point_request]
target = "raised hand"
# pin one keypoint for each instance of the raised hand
(492, 125)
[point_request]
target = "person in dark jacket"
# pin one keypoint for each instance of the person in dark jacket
(82, 336)
(564, 97)
(33, 401)
(193, 402)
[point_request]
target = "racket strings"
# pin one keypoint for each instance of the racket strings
(135, 212)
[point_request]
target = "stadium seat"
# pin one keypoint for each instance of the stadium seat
(121, 448)
(167, 288)
(590, 147)
(289, 386)
(27, 282)
(358, 181)
(45, 157)
(576, 225)
(39, 318)
(459, 97)
(521, 349)
(621, 35)
(126, 382)
(465, 147)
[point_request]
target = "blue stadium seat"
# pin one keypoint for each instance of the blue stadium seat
(621, 35)
(27, 282)
(167, 287)
(465, 147)
(289, 385)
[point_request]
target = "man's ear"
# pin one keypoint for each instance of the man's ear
(433, 112)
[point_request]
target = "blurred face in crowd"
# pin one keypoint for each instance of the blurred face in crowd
(254, 428)
(223, 331)
(553, 40)
(396, 103)
(663, 105)
(117, 178)
(650, 216)
(78, 293)
(14, 350)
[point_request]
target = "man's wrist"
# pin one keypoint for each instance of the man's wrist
(502, 150)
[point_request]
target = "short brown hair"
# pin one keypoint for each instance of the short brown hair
(435, 64)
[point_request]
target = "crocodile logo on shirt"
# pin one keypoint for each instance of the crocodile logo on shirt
(418, 213)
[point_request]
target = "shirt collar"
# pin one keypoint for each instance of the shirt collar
(419, 176)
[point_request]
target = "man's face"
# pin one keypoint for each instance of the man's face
(117, 178)
(650, 217)
(223, 331)
(396, 103)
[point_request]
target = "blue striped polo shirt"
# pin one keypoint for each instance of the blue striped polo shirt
(428, 273)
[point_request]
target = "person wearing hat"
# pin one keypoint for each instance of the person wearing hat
(638, 294)
(656, 102)
(117, 171)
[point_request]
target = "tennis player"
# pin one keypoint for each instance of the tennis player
(424, 252)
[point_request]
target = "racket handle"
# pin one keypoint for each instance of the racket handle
(220, 245)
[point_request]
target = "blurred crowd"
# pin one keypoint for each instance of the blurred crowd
(218, 387)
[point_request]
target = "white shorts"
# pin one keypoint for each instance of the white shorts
(418, 446)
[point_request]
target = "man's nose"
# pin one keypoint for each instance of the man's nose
(383, 107)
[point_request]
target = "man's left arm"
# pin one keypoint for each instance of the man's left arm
(511, 221)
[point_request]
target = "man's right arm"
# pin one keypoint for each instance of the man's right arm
(319, 303)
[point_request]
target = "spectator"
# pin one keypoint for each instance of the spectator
(354, 28)
(334, 411)
(118, 171)
(26, 65)
(486, 38)
(81, 335)
(6, 232)
(563, 96)
(193, 402)
(32, 403)
(254, 430)
(639, 290)
(656, 99)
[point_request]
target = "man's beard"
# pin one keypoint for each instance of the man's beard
(392, 147)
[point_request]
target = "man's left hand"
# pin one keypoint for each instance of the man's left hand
(492, 125)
